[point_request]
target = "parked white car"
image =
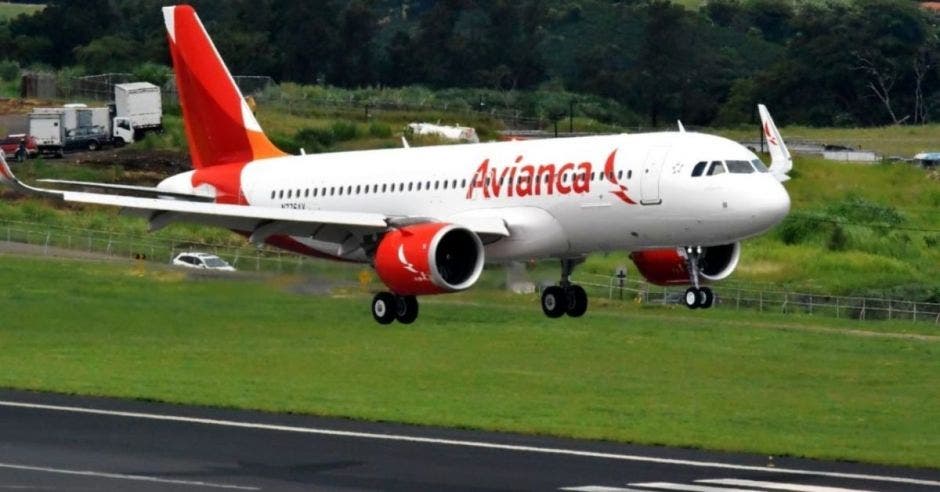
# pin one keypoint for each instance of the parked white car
(203, 261)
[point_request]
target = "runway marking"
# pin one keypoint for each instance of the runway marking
(599, 488)
(121, 476)
(793, 487)
(468, 444)
(688, 488)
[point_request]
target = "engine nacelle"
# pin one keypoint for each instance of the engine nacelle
(429, 258)
(670, 266)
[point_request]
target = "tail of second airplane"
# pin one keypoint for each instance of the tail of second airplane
(220, 127)
(780, 160)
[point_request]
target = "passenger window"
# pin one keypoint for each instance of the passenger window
(340, 191)
(419, 186)
(410, 185)
(383, 187)
(739, 167)
(314, 192)
(699, 169)
(445, 184)
(716, 168)
(630, 174)
(620, 174)
(759, 165)
(463, 183)
(272, 194)
(307, 193)
(289, 193)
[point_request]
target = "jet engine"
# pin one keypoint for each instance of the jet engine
(670, 266)
(431, 258)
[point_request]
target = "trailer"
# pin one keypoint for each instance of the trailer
(48, 128)
(141, 104)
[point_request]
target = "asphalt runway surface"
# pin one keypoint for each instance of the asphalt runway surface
(56, 442)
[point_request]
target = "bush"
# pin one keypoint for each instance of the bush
(380, 130)
(838, 241)
(344, 131)
(9, 70)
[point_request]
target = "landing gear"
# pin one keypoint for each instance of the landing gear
(387, 307)
(696, 297)
(565, 298)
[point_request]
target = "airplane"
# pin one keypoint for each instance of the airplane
(428, 218)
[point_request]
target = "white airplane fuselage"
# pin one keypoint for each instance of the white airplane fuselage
(580, 195)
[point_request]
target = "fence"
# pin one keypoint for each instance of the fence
(162, 250)
(730, 296)
(248, 258)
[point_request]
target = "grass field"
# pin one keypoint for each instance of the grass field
(793, 386)
(10, 10)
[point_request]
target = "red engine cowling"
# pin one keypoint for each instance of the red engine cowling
(429, 258)
(670, 266)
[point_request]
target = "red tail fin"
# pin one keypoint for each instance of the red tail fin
(219, 125)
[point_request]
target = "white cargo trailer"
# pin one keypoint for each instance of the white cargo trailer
(141, 104)
(48, 128)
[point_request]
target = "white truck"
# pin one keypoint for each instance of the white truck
(77, 127)
(138, 105)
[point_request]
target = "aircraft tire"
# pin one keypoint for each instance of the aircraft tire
(554, 301)
(384, 307)
(706, 298)
(407, 309)
(691, 298)
(577, 301)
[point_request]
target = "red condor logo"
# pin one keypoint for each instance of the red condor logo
(524, 180)
(771, 139)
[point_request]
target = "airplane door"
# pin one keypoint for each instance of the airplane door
(652, 171)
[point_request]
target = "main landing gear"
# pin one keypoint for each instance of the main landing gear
(696, 297)
(565, 298)
(388, 307)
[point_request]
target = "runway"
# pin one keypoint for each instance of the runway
(56, 442)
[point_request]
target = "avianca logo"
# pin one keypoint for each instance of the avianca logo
(771, 139)
(523, 180)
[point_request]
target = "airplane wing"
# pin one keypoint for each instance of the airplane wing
(343, 230)
(144, 191)
(780, 161)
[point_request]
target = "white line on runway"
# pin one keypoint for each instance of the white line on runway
(793, 487)
(121, 476)
(469, 444)
(599, 488)
(688, 488)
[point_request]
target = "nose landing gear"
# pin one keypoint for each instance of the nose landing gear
(696, 296)
(565, 298)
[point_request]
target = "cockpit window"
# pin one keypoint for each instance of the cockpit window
(699, 169)
(739, 167)
(761, 168)
(716, 168)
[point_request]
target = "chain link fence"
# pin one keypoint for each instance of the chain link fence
(248, 258)
(766, 300)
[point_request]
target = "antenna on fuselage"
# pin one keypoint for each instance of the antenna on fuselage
(681, 127)
(404, 142)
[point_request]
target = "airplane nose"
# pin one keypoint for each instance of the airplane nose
(772, 205)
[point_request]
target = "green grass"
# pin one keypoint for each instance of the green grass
(900, 140)
(10, 10)
(805, 387)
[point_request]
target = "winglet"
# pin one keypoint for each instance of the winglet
(780, 161)
(8, 178)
